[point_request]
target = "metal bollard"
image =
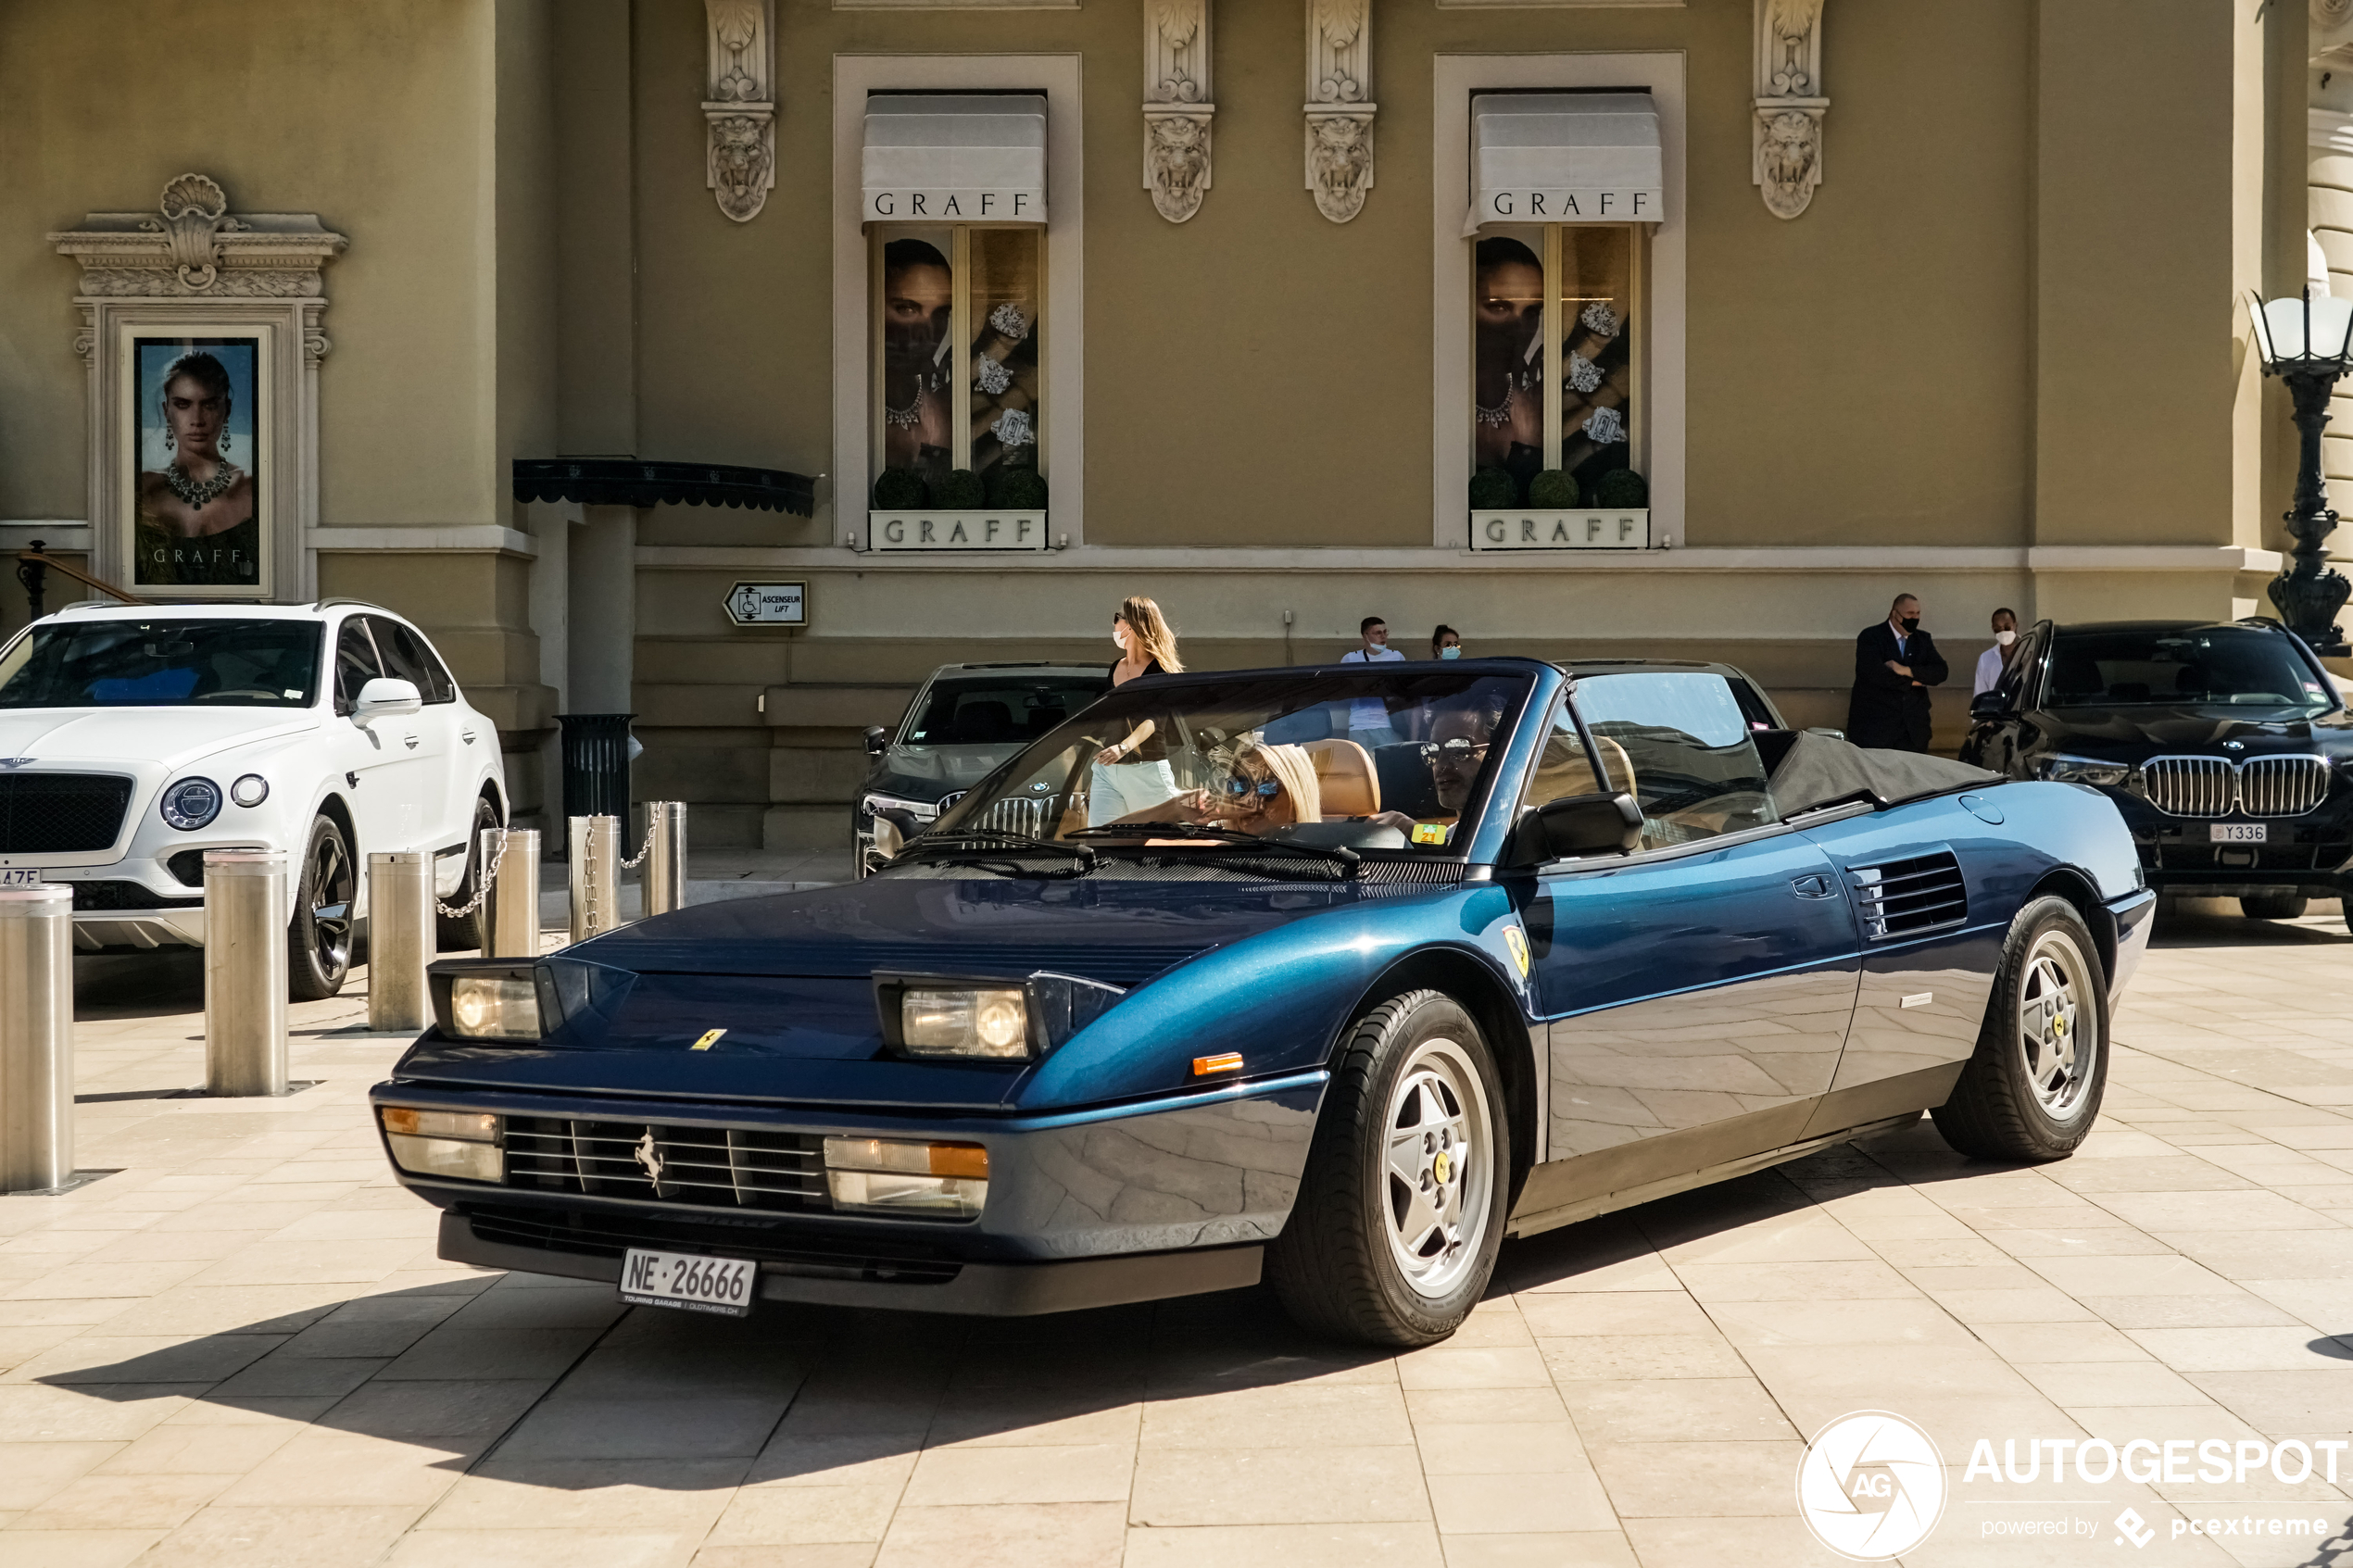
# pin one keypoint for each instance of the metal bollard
(245, 971)
(400, 939)
(595, 847)
(36, 1037)
(515, 897)
(665, 884)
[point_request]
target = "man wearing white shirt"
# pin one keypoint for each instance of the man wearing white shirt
(1369, 724)
(1989, 662)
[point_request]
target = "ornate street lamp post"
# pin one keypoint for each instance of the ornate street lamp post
(2308, 342)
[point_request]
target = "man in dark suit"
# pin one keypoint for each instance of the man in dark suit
(1896, 662)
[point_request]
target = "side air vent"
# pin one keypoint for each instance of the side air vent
(1907, 897)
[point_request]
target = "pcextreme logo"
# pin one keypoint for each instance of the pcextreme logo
(1870, 1485)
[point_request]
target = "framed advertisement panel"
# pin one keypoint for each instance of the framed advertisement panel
(202, 335)
(199, 508)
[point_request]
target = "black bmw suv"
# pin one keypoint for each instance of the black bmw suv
(2225, 746)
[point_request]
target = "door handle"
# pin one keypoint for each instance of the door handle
(409, 741)
(1813, 885)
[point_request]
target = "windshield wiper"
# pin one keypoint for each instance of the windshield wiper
(1225, 837)
(933, 845)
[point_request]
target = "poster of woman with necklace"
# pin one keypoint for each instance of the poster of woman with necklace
(198, 521)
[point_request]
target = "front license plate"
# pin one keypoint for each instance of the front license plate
(20, 877)
(688, 1279)
(2238, 833)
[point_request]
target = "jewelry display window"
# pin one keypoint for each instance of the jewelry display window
(957, 370)
(1556, 318)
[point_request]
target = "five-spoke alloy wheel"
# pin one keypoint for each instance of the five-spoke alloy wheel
(2033, 1087)
(1400, 1210)
(319, 936)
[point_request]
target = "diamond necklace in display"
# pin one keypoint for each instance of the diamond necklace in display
(202, 494)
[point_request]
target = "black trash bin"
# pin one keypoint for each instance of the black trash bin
(595, 770)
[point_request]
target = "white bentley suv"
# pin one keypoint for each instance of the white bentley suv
(135, 737)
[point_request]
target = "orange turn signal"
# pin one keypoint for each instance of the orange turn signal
(1226, 1061)
(967, 1159)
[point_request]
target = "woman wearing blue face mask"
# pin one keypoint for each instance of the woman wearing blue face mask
(1446, 643)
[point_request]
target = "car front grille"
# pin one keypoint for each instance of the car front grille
(1907, 897)
(1029, 815)
(710, 1167)
(61, 813)
(2215, 786)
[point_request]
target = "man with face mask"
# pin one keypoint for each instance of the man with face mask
(1896, 663)
(1994, 661)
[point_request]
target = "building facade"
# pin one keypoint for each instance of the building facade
(1686, 328)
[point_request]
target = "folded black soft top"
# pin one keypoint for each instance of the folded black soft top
(1807, 771)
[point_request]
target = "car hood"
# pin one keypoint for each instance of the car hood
(1118, 932)
(930, 772)
(172, 737)
(2129, 733)
(789, 980)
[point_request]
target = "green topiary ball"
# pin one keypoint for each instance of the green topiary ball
(959, 491)
(1493, 488)
(1018, 490)
(1622, 487)
(1555, 489)
(898, 490)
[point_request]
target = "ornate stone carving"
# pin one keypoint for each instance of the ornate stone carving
(1179, 105)
(1339, 105)
(740, 106)
(191, 248)
(1790, 104)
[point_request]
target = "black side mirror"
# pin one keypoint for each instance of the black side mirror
(1579, 826)
(877, 740)
(1988, 705)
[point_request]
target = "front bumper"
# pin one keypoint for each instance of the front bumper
(1005, 1291)
(1120, 1204)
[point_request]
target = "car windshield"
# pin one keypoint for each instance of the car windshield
(163, 664)
(1369, 761)
(1003, 708)
(2196, 666)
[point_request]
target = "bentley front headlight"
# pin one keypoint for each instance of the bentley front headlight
(2087, 770)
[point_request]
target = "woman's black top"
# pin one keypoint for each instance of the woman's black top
(1155, 746)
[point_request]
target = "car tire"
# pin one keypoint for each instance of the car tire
(469, 933)
(318, 934)
(1367, 1254)
(2033, 1088)
(2275, 905)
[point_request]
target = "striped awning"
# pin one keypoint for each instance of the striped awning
(955, 157)
(1566, 157)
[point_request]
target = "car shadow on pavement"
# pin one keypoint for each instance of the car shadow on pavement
(555, 1384)
(2195, 927)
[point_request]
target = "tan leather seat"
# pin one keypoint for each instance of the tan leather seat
(1344, 774)
(1563, 769)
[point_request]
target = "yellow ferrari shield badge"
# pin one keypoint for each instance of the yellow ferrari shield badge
(711, 1036)
(1517, 940)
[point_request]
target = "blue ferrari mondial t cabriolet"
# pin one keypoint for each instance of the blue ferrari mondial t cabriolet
(1202, 983)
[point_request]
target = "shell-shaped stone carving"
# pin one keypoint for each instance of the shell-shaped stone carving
(194, 195)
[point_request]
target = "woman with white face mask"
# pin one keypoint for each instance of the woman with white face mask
(1132, 773)
(1445, 642)
(1994, 661)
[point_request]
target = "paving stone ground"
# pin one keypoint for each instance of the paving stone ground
(241, 1349)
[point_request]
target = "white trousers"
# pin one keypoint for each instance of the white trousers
(1118, 788)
